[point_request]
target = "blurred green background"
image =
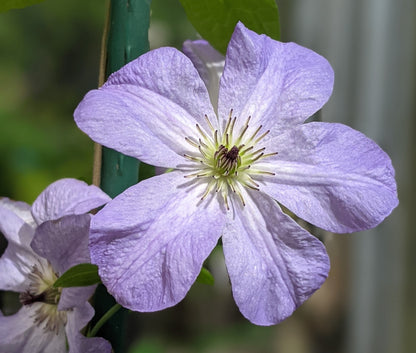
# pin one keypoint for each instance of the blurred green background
(49, 56)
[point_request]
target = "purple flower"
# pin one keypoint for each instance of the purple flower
(44, 241)
(230, 165)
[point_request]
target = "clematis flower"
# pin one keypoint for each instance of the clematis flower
(44, 241)
(230, 166)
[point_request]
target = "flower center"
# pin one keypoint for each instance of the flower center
(227, 160)
(42, 293)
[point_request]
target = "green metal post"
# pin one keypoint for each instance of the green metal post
(127, 39)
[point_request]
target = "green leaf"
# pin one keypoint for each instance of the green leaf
(16, 4)
(215, 19)
(205, 277)
(79, 276)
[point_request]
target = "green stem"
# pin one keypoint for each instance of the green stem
(104, 319)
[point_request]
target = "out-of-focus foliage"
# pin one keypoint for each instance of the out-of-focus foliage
(205, 277)
(215, 19)
(49, 56)
(16, 4)
(237, 338)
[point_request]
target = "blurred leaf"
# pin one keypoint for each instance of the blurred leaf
(215, 19)
(205, 277)
(16, 4)
(79, 276)
(147, 345)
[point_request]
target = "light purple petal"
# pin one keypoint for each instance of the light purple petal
(18, 258)
(209, 63)
(18, 334)
(273, 263)
(147, 108)
(64, 242)
(73, 296)
(13, 216)
(77, 319)
(20, 209)
(150, 242)
(65, 197)
(15, 264)
(277, 84)
(333, 177)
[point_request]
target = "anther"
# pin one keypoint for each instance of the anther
(262, 136)
(255, 133)
(270, 154)
(260, 150)
(202, 152)
(201, 132)
(241, 198)
(248, 121)
(265, 172)
(257, 158)
(197, 175)
(243, 131)
(232, 128)
(194, 159)
(209, 123)
(201, 143)
(216, 138)
(249, 185)
(243, 152)
(228, 125)
(224, 195)
(210, 186)
(191, 141)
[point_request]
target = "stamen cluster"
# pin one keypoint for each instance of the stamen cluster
(227, 160)
(41, 291)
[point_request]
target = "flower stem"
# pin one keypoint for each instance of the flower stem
(104, 319)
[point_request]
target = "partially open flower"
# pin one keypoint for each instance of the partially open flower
(44, 241)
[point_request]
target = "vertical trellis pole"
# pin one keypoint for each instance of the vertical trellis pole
(127, 38)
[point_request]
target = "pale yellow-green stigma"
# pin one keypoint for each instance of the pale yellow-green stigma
(227, 160)
(42, 292)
